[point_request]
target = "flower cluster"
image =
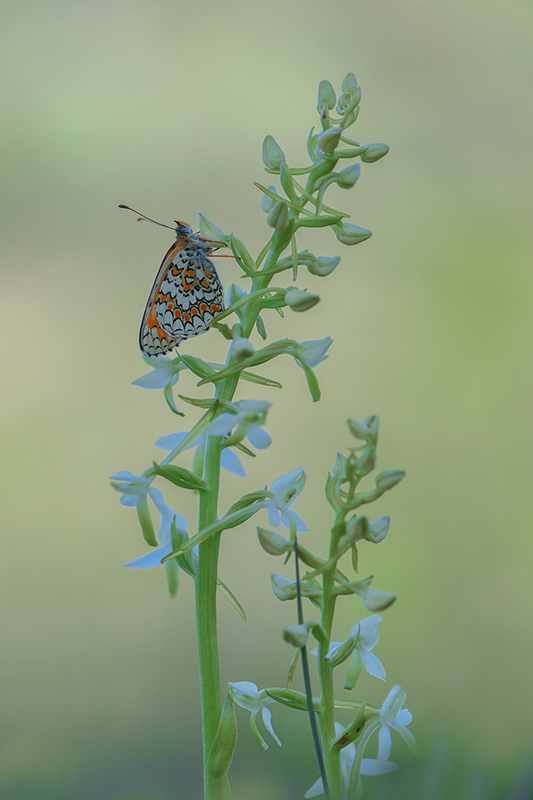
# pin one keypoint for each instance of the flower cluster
(231, 428)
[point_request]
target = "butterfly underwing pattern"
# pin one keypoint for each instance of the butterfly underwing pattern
(187, 293)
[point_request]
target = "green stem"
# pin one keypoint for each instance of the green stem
(206, 616)
(327, 715)
(307, 680)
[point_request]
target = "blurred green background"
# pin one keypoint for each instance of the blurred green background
(164, 105)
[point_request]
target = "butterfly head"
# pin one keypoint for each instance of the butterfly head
(182, 229)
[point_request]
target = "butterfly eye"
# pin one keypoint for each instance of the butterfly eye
(182, 229)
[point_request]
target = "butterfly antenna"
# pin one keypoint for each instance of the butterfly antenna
(148, 219)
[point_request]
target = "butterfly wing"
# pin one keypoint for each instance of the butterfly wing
(185, 297)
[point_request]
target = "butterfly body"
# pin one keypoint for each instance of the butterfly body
(187, 294)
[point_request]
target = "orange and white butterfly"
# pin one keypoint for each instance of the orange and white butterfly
(187, 293)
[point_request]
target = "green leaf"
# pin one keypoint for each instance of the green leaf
(221, 753)
(197, 366)
(180, 476)
(230, 597)
(225, 523)
(260, 325)
(240, 251)
(196, 401)
(248, 499)
(292, 668)
(251, 377)
(290, 698)
(199, 428)
(353, 730)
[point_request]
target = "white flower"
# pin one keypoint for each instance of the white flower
(314, 352)
(154, 557)
(285, 490)
(248, 696)
(135, 489)
(250, 416)
(228, 459)
(393, 716)
(366, 636)
(369, 766)
(165, 373)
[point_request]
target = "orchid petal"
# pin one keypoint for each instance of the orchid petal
(267, 719)
(371, 663)
(151, 559)
(258, 437)
(371, 766)
(232, 463)
(384, 743)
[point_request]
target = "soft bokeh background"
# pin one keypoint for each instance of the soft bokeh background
(163, 105)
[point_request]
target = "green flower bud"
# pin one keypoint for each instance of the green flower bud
(323, 266)
(326, 95)
(297, 635)
(278, 217)
(373, 152)
(283, 588)
(273, 543)
(367, 460)
(347, 233)
(372, 422)
(267, 202)
(348, 177)
(340, 470)
(209, 230)
(377, 530)
(349, 83)
(328, 140)
(389, 478)
(300, 300)
(358, 429)
(351, 96)
(272, 154)
(242, 348)
(374, 600)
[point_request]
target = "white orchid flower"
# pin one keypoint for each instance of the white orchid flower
(248, 696)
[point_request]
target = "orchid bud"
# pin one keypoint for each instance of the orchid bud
(272, 154)
(242, 348)
(278, 216)
(373, 152)
(347, 233)
(328, 140)
(297, 635)
(377, 530)
(389, 478)
(326, 95)
(273, 543)
(300, 300)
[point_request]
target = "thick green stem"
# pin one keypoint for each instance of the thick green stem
(206, 616)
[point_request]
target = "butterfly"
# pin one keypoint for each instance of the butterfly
(187, 293)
